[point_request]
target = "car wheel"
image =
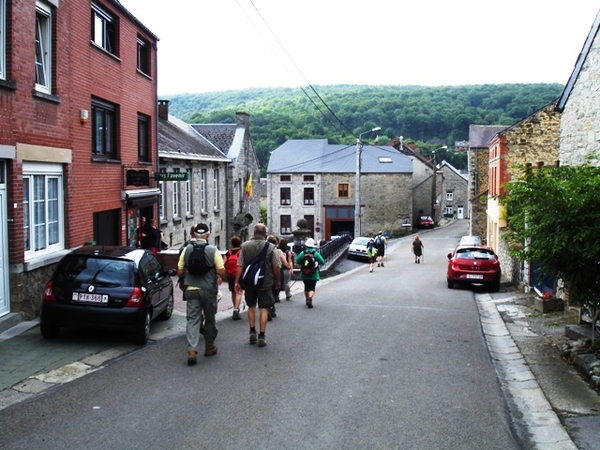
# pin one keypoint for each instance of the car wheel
(49, 331)
(450, 284)
(142, 334)
(495, 287)
(168, 311)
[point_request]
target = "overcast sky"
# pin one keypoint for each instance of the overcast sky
(219, 45)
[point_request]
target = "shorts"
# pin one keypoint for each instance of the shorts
(231, 283)
(264, 298)
(310, 285)
(380, 251)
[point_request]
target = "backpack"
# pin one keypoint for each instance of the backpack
(254, 273)
(309, 264)
(378, 241)
(231, 262)
(197, 263)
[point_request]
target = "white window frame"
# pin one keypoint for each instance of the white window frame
(203, 190)
(161, 200)
(176, 196)
(216, 203)
(187, 186)
(449, 210)
(3, 40)
(43, 48)
(449, 196)
(102, 35)
(43, 209)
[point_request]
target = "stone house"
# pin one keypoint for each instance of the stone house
(453, 191)
(243, 182)
(314, 180)
(478, 167)
(194, 180)
(532, 141)
(77, 136)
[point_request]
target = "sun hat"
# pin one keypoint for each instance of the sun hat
(310, 242)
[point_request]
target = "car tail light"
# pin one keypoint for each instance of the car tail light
(136, 299)
(48, 295)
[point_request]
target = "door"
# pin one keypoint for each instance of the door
(460, 214)
(4, 281)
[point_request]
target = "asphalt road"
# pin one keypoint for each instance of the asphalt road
(389, 359)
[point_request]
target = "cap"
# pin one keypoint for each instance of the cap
(201, 228)
(381, 232)
(310, 242)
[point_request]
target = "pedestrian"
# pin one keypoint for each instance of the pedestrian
(201, 291)
(380, 245)
(151, 236)
(262, 296)
(309, 260)
(417, 249)
(371, 253)
(230, 262)
(276, 289)
(288, 268)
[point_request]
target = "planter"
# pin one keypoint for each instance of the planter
(545, 305)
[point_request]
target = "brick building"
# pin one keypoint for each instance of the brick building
(77, 136)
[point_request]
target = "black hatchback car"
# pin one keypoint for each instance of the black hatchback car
(107, 287)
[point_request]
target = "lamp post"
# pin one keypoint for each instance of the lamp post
(433, 183)
(357, 182)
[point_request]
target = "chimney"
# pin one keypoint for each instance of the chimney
(163, 109)
(242, 119)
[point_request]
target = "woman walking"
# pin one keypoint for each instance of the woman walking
(417, 249)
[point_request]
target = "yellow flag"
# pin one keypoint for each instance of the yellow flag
(249, 187)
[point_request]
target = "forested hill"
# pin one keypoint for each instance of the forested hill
(434, 115)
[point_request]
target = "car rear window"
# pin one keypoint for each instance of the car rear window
(85, 269)
(472, 253)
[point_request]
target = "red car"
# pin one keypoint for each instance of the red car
(473, 264)
(425, 222)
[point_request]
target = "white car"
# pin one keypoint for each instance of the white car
(358, 248)
(470, 240)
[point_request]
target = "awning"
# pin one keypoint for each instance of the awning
(140, 197)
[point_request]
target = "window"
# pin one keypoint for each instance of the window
(143, 56)
(104, 29)
(309, 178)
(187, 185)
(286, 196)
(43, 48)
(448, 211)
(343, 190)
(175, 192)
(449, 196)
(3, 39)
(285, 178)
(143, 138)
(203, 190)
(285, 223)
(42, 209)
(104, 130)
(216, 204)
(161, 200)
(309, 196)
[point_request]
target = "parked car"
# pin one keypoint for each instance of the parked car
(470, 240)
(358, 248)
(473, 264)
(425, 222)
(107, 287)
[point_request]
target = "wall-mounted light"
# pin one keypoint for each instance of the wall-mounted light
(84, 115)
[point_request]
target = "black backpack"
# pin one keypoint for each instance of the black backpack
(197, 263)
(309, 264)
(254, 273)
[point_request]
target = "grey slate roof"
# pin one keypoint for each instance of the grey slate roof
(177, 140)
(480, 135)
(221, 135)
(318, 156)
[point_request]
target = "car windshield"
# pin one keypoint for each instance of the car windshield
(474, 253)
(361, 241)
(84, 269)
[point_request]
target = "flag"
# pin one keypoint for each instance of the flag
(249, 186)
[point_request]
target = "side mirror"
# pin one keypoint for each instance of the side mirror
(449, 255)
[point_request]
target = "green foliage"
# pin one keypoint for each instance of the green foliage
(417, 112)
(263, 215)
(553, 217)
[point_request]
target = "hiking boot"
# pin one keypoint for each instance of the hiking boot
(288, 297)
(252, 337)
(210, 350)
(382, 265)
(236, 314)
(261, 340)
(273, 312)
(192, 357)
(378, 265)
(309, 303)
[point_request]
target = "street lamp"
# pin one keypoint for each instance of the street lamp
(357, 182)
(433, 183)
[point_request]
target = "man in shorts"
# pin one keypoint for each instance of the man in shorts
(263, 296)
(380, 245)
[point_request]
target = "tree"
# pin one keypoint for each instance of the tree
(553, 217)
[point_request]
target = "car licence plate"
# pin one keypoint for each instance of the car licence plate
(475, 276)
(84, 297)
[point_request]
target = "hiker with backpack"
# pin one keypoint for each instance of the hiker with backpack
(309, 260)
(287, 269)
(257, 274)
(201, 267)
(380, 244)
(230, 261)
(371, 253)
